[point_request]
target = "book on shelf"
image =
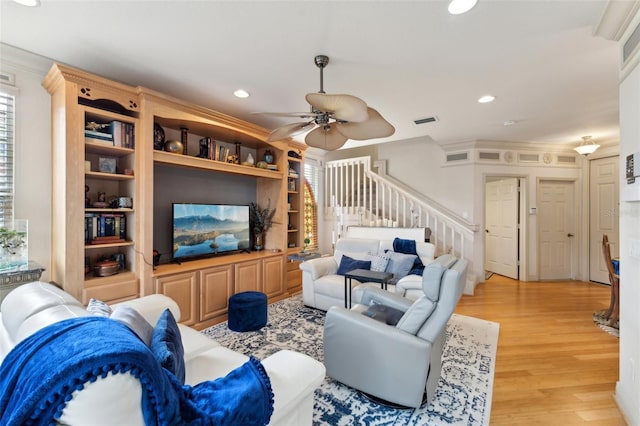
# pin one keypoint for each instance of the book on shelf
(91, 139)
(205, 145)
(98, 226)
(123, 134)
(208, 148)
(94, 134)
(223, 154)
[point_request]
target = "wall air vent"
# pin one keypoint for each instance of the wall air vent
(631, 44)
(489, 156)
(426, 120)
(566, 159)
(528, 158)
(461, 156)
(7, 78)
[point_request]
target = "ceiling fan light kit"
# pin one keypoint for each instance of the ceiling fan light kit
(336, 118)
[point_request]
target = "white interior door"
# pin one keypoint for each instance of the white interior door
(501, 227)
(603, 214)
(556, 227)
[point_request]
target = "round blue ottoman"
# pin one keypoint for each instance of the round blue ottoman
(247, 311)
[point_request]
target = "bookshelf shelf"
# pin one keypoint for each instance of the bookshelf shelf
(102, 148)
(108, 176)
(108, 245)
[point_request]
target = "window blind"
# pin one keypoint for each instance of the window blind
(7, 142)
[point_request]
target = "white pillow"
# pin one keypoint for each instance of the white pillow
(136, 322)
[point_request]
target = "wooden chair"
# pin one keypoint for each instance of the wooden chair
(614, 307)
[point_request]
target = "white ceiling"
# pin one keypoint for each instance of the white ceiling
(407, 59)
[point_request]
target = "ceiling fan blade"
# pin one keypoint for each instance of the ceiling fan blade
(343, 107)
(374, 127)
(288, 114)
(325, 137)
(289, 130)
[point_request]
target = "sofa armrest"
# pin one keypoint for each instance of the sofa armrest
(372, 295)
(407, 283)
(152, 306)
(294, 378)
(320, 267)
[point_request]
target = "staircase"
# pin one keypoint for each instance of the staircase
(356, 195)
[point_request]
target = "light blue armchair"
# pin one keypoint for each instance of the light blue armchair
(398, 363)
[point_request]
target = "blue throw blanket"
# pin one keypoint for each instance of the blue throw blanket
(38, 377)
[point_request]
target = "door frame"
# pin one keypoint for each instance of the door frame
(616, 212)
(523, 234)
(578, 236)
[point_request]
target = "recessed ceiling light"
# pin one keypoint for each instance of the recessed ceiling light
(240, 93)
(30, 3)
(458, 7)
(509, 123)
(486, 99)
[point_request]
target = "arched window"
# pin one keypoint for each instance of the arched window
(311, 182)
(310, 216)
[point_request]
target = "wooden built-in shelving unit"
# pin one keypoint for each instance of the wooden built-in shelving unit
(201, 287)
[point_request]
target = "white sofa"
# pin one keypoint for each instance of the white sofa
(116, 398)
(323, 288)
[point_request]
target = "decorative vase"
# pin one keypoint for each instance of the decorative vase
(268, 156)
(258, 243)
(14, 253)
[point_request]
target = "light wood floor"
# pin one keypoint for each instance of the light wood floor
(554, 365)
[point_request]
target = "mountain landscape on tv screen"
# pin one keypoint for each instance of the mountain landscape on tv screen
(204, 234)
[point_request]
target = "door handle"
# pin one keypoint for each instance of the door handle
(486, 230)
(569, 235)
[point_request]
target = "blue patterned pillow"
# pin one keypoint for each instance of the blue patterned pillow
(166, 345)
(348, 264)
(379, 262)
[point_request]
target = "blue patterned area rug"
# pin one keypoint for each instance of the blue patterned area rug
(463, 396)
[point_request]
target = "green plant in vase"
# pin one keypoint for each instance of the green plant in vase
(261, 220)
(11, 240)
(306, 242)
(13, 245)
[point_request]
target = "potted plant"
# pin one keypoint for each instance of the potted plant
(306, 242)
(261, 220)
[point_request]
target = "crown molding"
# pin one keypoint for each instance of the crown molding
(616, 18)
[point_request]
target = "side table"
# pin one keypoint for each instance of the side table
(14, 278)
(364, 275)
(301, 257)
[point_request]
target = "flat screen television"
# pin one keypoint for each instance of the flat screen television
(204, 230)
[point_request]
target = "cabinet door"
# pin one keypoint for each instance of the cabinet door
(273, 276)
(294, 277)
(248, 276)
(183, 288)
(216, 285)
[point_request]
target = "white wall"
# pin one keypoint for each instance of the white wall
(628, 387)
(33, 149)
(420, 163)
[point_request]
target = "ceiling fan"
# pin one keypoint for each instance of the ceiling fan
(336, 119)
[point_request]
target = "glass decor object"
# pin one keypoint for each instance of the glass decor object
(14, 253)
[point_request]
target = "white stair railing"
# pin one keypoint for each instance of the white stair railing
(380, 200)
